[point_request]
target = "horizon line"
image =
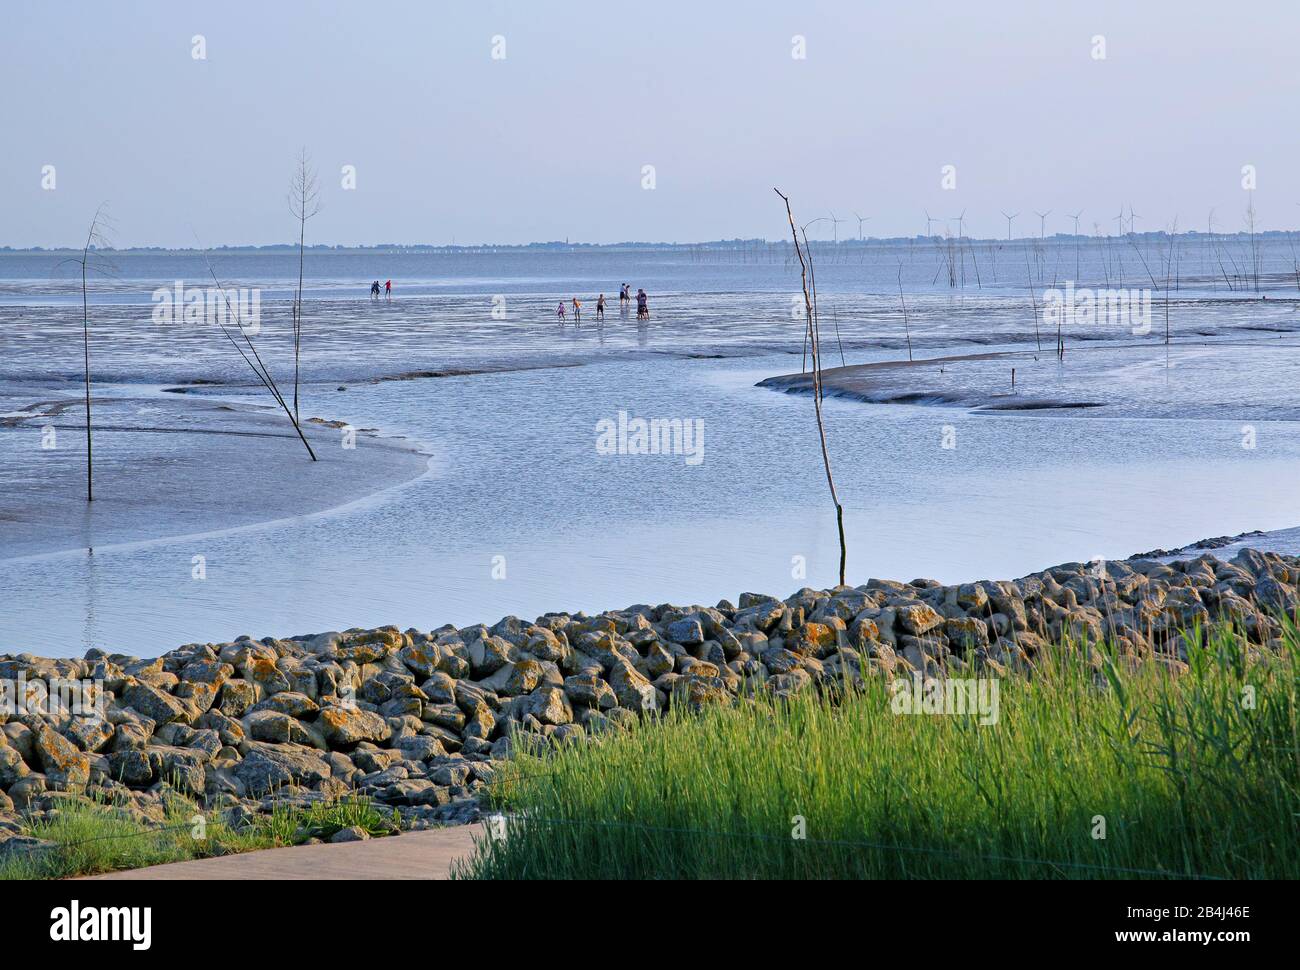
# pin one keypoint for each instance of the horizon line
(646, 244)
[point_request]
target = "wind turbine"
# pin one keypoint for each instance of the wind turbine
(1120, 219)
(960, 219)
(861, 220)
(1132, 218)
(1075, 217)
(835, 226)
(1010, 216)
(1042, 222)
(929, 219)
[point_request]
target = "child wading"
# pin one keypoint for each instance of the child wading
(577, 309)
(642, 305)
(559, 311)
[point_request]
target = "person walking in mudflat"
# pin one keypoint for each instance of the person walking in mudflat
(642, 305)
(577, 310)
(559, 311)
(600, 307)
(388, 290)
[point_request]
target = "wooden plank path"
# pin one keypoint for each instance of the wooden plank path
(428, 854)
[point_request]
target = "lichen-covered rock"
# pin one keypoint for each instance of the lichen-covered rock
(481, 723)
(12, 766)
(236, 698)
(917, 618)
(440, 688)
(863, 630)
(549, 705)
(966, 633)
(698, 692)
(544, 644)
(779, 660)
(489, 654)
(447, 716)
(782, 685)
(421, 747)
(814, 639)
(686, 631)
(367, 646)
(524, 678)
(633, 690)
(277, 727)
(343, 727)
(64, 764)
(154, 703)
(353, 833)
(657, 660)
(89, 733)
(289, 702)
(469, 696)
(421, 659)
(267, 767)
(453, 774)
(181, 768)
(207, 671)
(590, 690)
(197, 698)
(229, 731)
(971, 597)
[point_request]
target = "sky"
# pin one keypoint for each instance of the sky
(451, 141)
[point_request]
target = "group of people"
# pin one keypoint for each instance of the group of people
(624, 298)
(642, 301)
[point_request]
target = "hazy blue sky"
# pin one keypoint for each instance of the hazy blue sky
(550, 142)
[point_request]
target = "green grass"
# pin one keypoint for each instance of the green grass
(1190, 782)
(91, 837)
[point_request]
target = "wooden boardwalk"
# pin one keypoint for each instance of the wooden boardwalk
(413, 855)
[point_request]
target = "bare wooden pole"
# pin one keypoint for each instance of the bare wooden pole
(1033, 302)
(85, 345)
(907, 329)
(813, 332)
(1155, 285)
(255, 361)
(303, 203)
(812, 280)
(92, 237)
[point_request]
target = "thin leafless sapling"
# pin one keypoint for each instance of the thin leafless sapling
(304, 202)
(96, 239)
(813, 337)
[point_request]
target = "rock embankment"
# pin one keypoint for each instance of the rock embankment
(417, 720)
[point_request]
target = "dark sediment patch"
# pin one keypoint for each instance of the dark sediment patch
(198, 382)
(1038, 405)
(417, 375)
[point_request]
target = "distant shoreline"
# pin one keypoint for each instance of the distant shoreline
(1190, 235)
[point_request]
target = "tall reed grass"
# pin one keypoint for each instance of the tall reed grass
(1093, 769)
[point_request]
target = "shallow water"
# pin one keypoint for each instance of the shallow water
(519, 513)
(579, 530)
